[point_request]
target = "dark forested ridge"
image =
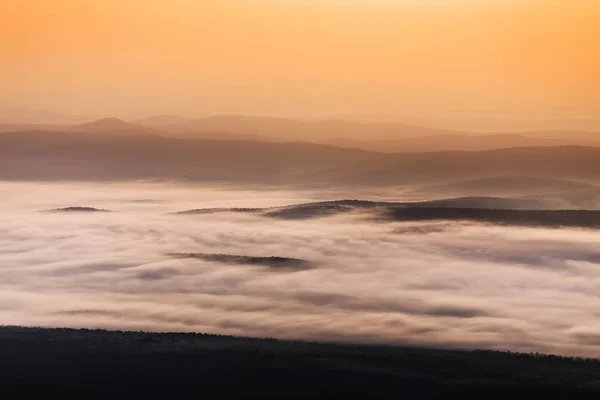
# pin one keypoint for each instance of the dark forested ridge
(542, 218)
(96, 363)
(472, 209)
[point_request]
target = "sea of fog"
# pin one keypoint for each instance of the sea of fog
(431, 283)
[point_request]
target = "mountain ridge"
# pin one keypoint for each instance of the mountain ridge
(66, 155)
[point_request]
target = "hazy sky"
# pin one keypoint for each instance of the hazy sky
(300, 57)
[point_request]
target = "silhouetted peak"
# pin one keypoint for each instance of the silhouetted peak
(109, 125)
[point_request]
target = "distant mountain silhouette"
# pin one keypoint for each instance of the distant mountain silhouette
(389, 137)
(456, 142)
(506, 124)
(110, 125)
(509, 185)
(392, 136)
(71, 155)
(288, 129)
(582, 136)
(561, 162)
(480, 124)
(162, 122)
(231, 136)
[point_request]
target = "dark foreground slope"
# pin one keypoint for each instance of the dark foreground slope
(91, 363)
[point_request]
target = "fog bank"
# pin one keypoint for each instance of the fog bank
(449, 284)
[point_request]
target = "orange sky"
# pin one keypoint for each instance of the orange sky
(300, 57)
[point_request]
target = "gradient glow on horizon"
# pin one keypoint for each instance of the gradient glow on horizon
(302, 57)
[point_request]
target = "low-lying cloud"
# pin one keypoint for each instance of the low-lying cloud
(450, 284)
